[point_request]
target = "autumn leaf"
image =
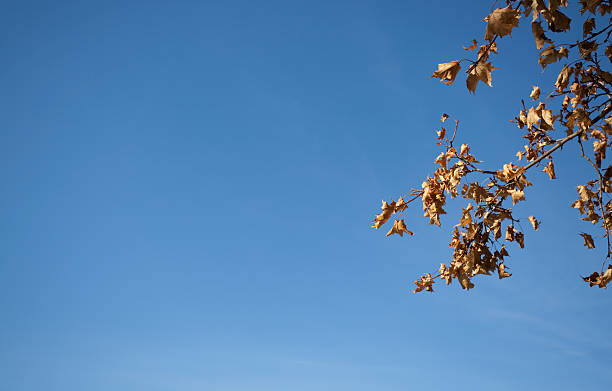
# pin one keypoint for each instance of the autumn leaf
(472, 46)
(447, 72)
(517, 195)
(501, 271)
(481, 72)
(588, 27)
(501, 22)
(550, 170)
(520, 239)
(399, 227)
(557, 21)
(387, 211)
(551, 54)
(444, 117)
(534, 223)
(535, 93)
(441, 133)
(538, 35)
(588, 240)
(564, 78)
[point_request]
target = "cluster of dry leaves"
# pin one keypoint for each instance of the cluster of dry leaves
(578, 107)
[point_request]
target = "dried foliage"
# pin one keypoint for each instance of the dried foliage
(576, 109)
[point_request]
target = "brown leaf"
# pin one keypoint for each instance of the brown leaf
(551, 54)
(588, 240)
(501, 271)
(517, 195)
(520, 239)
(481, 72)
(550, 170)
(444, 117)
(587, 27)
(538, 35)
(387, 211)
(399, 227)
(509, 234)
(500, 22)
(564, 78)
(534, 223)
(472, 46)
(441, 133)
(535, 93)
(447, 72)
(557, 21)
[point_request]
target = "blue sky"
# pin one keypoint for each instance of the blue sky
(188, 188)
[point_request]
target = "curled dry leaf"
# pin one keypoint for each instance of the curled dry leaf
(588, 240)
(535, 93)
(472, 46)
(517, 195)
(501, 271)
(399, 227)
(552, 54)
(550, 170)
(538, 35)
(382, 217)
(600, 280)
(534, 223)
(447, 72)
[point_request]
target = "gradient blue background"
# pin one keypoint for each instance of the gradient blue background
(187, 189)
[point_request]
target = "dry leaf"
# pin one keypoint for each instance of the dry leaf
(501, 271)
(535, 93)
(588, 240)
(472, 46)
(500, 22)
(517, 196)
(481, 72)
(534, 223)
(538, 35)
(399, 227)
(447, 72)
(550, 170)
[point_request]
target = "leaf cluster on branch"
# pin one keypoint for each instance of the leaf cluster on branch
(576, 108)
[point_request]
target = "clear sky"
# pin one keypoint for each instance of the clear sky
(187, 193)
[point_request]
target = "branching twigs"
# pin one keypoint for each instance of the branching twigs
(582, 83)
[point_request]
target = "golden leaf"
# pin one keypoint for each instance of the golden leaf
(501, 271)
(387, 211)
(500, 22)
(517, 195)
(472, 46)
(535, 93)
(535, 223)
(441, 133)
(399, 227)
(550, 170)
(447, 72)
